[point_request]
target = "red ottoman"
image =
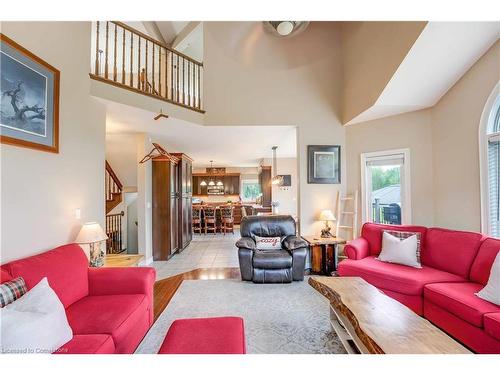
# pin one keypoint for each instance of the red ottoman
(224, 335)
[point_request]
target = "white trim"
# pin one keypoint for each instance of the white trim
(406, 215)
(483, 157)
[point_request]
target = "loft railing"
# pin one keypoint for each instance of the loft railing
(114, 232)
(127, 58)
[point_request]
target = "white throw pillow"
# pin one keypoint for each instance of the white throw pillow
(267, 243)
(401, 251)
(34, 323)
(491, 292)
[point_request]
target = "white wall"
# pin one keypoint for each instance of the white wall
(285, 196)
(455, 131)
(121, 154)
(40, 190)
(252, 78)
(411, 130)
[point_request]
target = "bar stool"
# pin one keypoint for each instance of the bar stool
(227, 218)
(210, 219)
(197, 213)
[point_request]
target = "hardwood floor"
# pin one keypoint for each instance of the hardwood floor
(165, 289)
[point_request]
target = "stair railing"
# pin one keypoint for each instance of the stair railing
(112, 183)
(114, 243)
(127, 58)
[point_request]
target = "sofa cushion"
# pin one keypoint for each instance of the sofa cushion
(88, 344)
(272, 259)
(373, 234)
(395, 277)
(65, 267)
(459, 300)
(451, 250)
(481, 267)
(221, 335)
(492, 325)
(121, 316)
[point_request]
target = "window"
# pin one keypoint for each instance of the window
(490, 166)
(250, 190)
(385, 180)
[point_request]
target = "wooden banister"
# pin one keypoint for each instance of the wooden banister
(114, 242)
(113, 188)
(145, 65)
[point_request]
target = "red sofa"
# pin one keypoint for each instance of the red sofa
(109, 309)
(455, 265)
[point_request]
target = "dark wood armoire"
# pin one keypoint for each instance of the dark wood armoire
(185, 176)
(166, 203)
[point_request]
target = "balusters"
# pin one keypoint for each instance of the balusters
(199, 96)
(153, 68)
(114, 57)
(145, 80)
(123, 56)
(131, 60)
(106, 52)
(97, 50)
(171, 76)
(161, 72)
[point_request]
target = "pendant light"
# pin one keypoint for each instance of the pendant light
(276, 180)
(211, 182)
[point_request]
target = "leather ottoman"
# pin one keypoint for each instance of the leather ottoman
(222, 335)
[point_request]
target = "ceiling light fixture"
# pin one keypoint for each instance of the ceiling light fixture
(285, 28)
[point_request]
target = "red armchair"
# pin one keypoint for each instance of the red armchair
(109, 309)
(455, 265)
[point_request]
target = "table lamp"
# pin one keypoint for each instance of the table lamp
(326, 216)
(92, 234)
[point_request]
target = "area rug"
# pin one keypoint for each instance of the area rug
(279, 318)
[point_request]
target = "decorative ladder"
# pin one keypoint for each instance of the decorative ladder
(114, 196)
(347, 215)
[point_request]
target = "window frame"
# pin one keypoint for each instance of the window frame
(406, 211)
(487, 133)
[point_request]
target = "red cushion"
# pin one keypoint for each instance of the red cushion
(481, 268)
(492, 325)
(451, 250)
(224, 335)
(88, 344)
(65, 267)
(459, 299)
(4, 276)
(373, 234)
(124, 317)
(395, 277)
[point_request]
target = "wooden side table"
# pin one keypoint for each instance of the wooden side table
(122, 260)
(324, 253)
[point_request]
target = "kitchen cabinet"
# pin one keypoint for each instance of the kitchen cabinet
(231, 183)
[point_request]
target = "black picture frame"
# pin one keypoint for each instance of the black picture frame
(323, 164)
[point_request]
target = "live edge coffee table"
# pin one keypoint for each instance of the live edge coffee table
(368, 321)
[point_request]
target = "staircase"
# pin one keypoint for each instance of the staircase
(114, 189)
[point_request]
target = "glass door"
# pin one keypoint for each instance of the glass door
(386, 187)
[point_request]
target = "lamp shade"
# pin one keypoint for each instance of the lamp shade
(90, 233)
(326, 215)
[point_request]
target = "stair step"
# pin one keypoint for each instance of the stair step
(347, 213)
(346, 199)
(345, 227)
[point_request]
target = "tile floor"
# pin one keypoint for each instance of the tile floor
(204, 251)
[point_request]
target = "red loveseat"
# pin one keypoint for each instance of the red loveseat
(109, 309)
(455, 265)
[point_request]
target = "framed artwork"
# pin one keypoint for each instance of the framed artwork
(323, 165)
(29, 101)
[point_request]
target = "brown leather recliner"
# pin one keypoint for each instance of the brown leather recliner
(271, 266)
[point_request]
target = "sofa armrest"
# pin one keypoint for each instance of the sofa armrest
(246, 243)
(357, 249)
(245, 258)
(122, 280)
(293, 243)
